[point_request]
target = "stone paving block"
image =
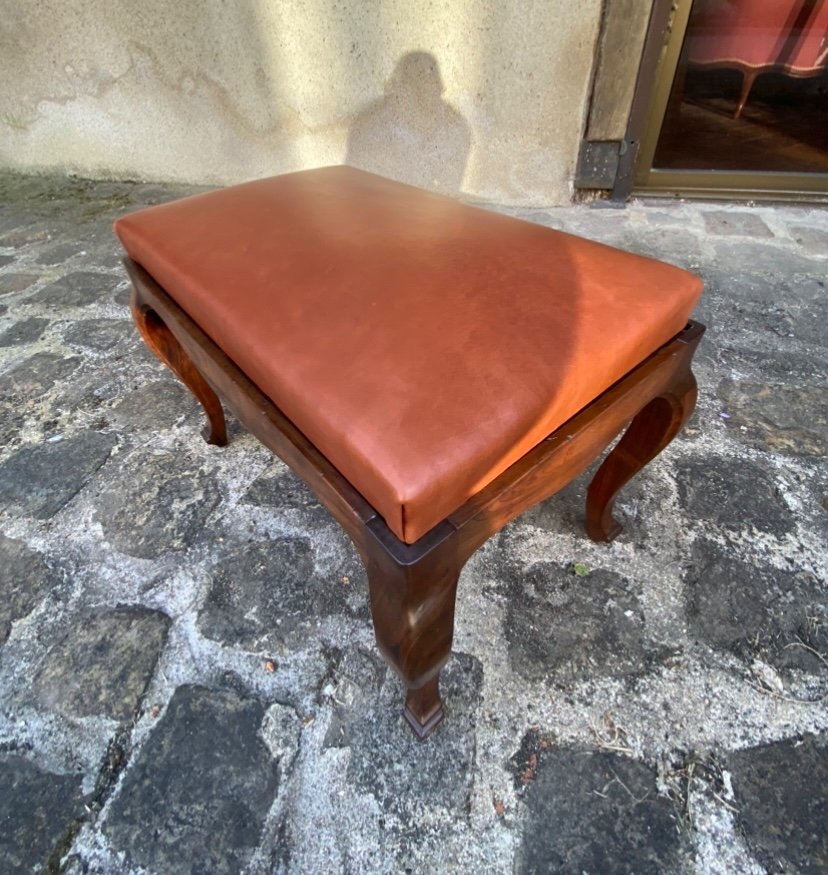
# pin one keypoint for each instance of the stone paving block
(750, 607)
(77, 289)
(196, 797)
(287, 497)
(735, 494)
(667, 244)
(6, 260)
(279, 488)
(781, 419)
(121, 296)
(564, 512)
(264, 594)
(25, 579)
(792, 368)
(102, 663)
(728, 223)
(37, 374)
(101, 335)
(37, 809)
(763, 258)
(540, 217)
(23, 234)
(39, 480)
(25, 331)
(813, 240)
(562, 627)
(155, 405)
(591, 812)
(407, 777)
(661, 218)
(359, 675)
(10, 283)
(781, 796)
(766, 307)
(156, 503)
(60, 253)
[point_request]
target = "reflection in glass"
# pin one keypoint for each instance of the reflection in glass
(751, 89)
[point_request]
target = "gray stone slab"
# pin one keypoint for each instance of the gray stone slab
(540, 217)
(781, 798)
(38, 481)
(10, 283)
(6, 260)
(768, 309)
(24, 235)
(36, 375)
(280, 489)
(563, 627)
(37, 809)
(196, 797)
(673, 245)
(812, 240)
(776, 367)
(730, 223)
(77, 289)
(60, 253)
(156, 502)
(102, 663)
(25, 331)
(25, 579)
(590, 812)
(356, 678)
(101, 335)
(264, 594)
(734, 494)
(763, 258)
(752, 608)
(121, 296)
(383, 748)
(784, 419)
(564, 512)
(157, 405)
(10, 218)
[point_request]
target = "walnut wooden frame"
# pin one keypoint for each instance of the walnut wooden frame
(413, 586)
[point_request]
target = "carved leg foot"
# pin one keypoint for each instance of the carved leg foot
(424, 708)
(413, 611)
(163, 343)
(647, 435)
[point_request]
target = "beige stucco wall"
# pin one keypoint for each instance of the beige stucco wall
(487, 97)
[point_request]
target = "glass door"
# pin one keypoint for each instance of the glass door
(740, 105)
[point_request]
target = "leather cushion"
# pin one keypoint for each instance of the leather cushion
(421, 344)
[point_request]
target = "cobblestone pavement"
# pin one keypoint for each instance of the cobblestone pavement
(188, 681)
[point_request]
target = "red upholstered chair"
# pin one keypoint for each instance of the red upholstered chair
(758, 36)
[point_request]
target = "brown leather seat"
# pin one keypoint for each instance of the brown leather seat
(422, 345)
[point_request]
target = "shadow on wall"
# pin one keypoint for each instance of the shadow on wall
(412, 134)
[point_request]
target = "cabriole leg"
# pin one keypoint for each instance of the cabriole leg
(647, 435)
(163, 343)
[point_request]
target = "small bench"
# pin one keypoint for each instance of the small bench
(430, 369)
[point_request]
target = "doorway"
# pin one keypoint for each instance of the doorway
(740, 102)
